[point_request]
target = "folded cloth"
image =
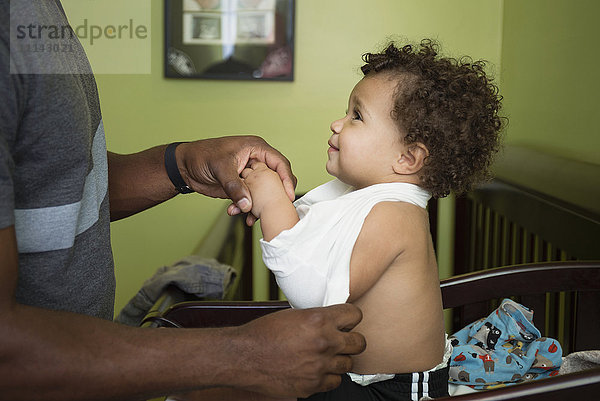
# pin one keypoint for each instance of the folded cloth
(504, 348)
(578, 361)
(204, 278)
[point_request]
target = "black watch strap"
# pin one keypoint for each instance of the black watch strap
(173, 170)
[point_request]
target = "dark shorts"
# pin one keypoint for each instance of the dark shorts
(406, 386)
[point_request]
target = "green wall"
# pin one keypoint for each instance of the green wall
(550, 61)
(144, 110)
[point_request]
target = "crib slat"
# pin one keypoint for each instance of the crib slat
(552, 314)
(478, 237)
(569, 311)
(587, 321)
(538, 304)
(468, 314)
(505, 253)
(516, 245)
(487, 239)
(472, 237)
(496, 240)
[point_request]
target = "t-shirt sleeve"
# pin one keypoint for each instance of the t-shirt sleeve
(304, 285)
(10, 87)
(298, 259)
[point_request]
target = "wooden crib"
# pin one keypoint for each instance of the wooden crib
(525, 235)
(465, 294)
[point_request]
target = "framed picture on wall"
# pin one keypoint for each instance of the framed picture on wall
(230, 39)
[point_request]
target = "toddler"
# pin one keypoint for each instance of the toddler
(417, 126)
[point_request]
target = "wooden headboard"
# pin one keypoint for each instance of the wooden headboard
(538, 208)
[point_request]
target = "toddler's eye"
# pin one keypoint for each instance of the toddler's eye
(356, 115)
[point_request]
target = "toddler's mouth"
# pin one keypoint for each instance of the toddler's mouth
(331, 147)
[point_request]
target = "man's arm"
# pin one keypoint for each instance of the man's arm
(49, 355)
(137, 182)
(211, 167)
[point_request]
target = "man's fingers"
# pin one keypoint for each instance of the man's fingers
(233, 210)
(256, 164)
(353, 343)
(289, 187)
(236, 190)
(344, 316)
(288, 179)
(341, 364)
(233, 185)
(282, 166)
(250, 220)
(331, 382)
(246, 172)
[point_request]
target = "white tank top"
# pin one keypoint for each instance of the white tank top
(311, 261)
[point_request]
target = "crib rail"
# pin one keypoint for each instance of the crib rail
(471, 296)
(537, 286)
(574, 386)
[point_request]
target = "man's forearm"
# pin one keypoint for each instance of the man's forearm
(48, 355)
(51, 355)
(137, 182)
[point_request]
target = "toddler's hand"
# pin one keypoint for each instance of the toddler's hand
(265, 187)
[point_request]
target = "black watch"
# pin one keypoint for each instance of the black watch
(173, 170)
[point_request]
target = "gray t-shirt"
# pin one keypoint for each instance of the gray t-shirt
(54, 174)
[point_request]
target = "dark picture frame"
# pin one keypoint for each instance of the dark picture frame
(230, 39)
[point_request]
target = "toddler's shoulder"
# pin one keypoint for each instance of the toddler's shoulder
(398, 222)
(392, 213)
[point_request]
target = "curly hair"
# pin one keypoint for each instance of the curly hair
(450, 106)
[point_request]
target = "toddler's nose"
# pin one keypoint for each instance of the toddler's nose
(336, 126)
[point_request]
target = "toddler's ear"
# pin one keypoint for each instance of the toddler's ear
(411, 161)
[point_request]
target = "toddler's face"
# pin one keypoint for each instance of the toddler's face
(365, 143)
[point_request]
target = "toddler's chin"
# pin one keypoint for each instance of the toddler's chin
(329, 170)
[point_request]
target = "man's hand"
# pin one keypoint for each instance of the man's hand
(212, 167)
(298, 352)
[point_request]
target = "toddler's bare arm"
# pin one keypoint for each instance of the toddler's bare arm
(270, 201)
(378, 244)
